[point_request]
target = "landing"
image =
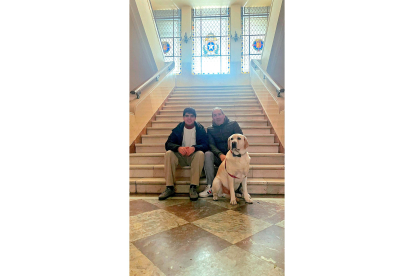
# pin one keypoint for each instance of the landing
(206, 237)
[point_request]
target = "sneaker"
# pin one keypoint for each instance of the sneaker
(193, 192)
(169, 191)
(207, 192)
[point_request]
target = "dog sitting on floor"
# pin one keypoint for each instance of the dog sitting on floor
(233, 170)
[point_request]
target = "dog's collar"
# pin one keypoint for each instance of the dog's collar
(225, 167)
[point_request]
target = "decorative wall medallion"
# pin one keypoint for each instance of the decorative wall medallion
(211, 46)
(166, 47)
(258, 44)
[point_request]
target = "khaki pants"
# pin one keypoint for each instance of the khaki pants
(172, 159)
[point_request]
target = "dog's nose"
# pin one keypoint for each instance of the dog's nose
(234, 145)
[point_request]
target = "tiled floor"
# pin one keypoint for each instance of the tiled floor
(206, 237)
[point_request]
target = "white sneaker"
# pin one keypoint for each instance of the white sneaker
(207, 192)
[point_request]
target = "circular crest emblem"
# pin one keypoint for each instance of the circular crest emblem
(258, 44)
(211, 46)
(166, 47)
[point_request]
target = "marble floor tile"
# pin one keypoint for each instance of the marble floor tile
(278, 201)
(194, 210)
(268, 244)
(232, 261)
(225, 202)
(139, 265)
(140, 206)
(276, 218)
(167, 202)
(281, 224)
(150, 223)
(175, 249)
(232, 226)
(267, 211)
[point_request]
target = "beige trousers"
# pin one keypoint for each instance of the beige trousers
(172, 159)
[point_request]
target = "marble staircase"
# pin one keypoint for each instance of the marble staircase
(266, 175)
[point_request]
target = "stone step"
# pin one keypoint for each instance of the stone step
(253, 138)
(267, 158)
(208, 112)
(207, 117)
(215, 101)
(272, 186)
(212, 95)
(199, 91)
(225, 107)
(253, 148)
(246, 130)
(212, 89)
(158, 158)
(154, 158)
(148, 171)
(242, 123)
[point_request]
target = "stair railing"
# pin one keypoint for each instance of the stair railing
(170, 66)
(255, 64)
(142, 111)
(273, 106)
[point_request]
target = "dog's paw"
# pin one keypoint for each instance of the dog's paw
(215, 198)
(233, 201)
(248, 199)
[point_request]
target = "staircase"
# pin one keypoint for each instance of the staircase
(267, 169)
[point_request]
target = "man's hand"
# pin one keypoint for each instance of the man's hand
(190, 150)
(222, 157)
(182, 151)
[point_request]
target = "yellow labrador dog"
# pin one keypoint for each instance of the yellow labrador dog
(234, 169)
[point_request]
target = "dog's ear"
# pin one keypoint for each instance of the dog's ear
(246, 143)
(228, 143)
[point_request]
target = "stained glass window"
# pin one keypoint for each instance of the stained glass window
(254, 26)
(168, 23)
(211, 41)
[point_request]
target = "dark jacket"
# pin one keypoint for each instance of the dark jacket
(218, 135)
(175, 140)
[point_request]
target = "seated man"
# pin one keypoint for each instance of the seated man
(185, 146)
(218, 133)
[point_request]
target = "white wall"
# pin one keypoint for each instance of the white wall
(145, 11)
(271, 30)
(276, 64)
(141, 65)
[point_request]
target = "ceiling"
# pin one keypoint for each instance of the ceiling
(172, 4)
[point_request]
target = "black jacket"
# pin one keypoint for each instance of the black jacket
(218, 135)
(175, 140)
